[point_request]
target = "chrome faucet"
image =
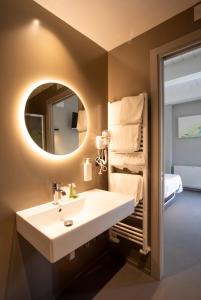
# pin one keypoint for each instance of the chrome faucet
(57, 192)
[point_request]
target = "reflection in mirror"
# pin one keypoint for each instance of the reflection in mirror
(55, 118)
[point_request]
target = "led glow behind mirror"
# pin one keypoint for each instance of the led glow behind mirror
(56, 118)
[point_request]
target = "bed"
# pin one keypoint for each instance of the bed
(173, 185)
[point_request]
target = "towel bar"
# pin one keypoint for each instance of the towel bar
(133, 233)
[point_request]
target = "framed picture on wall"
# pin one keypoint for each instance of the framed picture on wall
(35, 126)
(189, 126)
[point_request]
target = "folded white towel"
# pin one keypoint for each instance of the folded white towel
(114, 113)
(125, 139)
(81, 137)
(116, 160)
(131, 109)
(128, 184)
(126, 160)
(82, 121)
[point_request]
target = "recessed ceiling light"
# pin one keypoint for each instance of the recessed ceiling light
(36, 22)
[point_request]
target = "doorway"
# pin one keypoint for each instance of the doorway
(182, 160)
(157, 58)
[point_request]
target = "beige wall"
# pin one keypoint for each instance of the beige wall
(129, 64)
(30, 53)
(129, 74)
(56, 51)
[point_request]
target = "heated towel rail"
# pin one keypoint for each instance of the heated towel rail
(137, 234)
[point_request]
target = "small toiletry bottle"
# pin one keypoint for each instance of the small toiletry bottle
(87, 170)
(70, 192)
(74, 192)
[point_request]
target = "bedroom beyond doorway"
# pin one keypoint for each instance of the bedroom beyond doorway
(182, 160)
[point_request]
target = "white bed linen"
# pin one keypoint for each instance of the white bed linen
(173, 184)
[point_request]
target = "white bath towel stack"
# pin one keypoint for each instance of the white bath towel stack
(114, 109)
(82, 121)
(129, 161)
(82, 125)
(125, 139)
(131, 109)
(125, 118)
(128, 184)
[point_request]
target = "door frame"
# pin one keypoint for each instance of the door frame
(49, 119)
(157, 57)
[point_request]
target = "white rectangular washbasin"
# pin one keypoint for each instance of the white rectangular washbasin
(92, 213)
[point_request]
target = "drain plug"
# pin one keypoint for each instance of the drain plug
(68, 222)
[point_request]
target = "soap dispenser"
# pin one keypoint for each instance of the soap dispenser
(87, 170)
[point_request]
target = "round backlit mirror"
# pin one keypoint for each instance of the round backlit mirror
(56, 118)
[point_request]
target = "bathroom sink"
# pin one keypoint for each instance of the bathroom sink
(57, 230)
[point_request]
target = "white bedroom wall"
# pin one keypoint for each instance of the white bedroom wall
(186, 151)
